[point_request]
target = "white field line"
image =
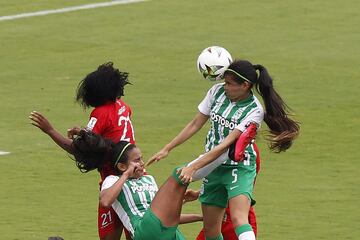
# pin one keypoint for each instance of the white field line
(4, 153)
(68, 9)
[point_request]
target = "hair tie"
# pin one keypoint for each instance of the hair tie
(121, 153)
(238, 74)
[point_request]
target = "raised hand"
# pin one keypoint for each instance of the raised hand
(129, 172)
(191, 195)
(73, 132)
(157, 157)
(186, 174)
(40, 121)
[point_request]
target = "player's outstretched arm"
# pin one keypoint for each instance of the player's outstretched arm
(190, 129)
(41, 122)
(73, 132)
(186, 173)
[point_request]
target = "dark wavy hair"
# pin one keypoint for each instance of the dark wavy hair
(90, 150)
(105, 84)
(282, 129)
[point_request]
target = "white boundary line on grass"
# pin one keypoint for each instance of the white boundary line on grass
(4, 153)
(68, 9)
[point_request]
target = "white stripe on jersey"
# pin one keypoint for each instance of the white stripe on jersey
(142, 197)
(221, 127)
(123, 216)
(130, 201)
(153, 182)
(147, 180)
(221, 98)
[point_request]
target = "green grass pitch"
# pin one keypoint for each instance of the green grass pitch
(311, 48)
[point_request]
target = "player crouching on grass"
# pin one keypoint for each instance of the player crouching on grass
(146, 212)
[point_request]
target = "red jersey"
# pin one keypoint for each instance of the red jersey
(112, 121)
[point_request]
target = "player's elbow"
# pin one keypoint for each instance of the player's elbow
(105, 204)
(104, 201)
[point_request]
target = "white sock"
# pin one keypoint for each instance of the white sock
(249, 235)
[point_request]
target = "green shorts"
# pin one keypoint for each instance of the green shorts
(150, 228)
(226, 182)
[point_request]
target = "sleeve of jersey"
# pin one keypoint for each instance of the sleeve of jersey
(97, 122)
(205, 105)
(109, 181)
(254, 116)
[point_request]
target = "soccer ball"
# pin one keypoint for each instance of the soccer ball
(212, 62)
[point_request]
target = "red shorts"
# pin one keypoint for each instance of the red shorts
(108, 221)
(227, 229)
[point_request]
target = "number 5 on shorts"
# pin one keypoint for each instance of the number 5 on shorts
(234, 174)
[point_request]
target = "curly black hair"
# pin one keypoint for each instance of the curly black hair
(103, 85)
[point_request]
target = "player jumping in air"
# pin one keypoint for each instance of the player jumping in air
(232, 107)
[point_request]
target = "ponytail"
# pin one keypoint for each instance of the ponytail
(282, 129)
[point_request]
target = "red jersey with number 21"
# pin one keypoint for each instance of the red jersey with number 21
(112, 121)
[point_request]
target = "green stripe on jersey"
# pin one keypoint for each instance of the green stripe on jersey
(224, 116)
(134, 199)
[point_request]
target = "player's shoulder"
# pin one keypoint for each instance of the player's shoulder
(103, 108)
(112, 177)
(216, 88)
(149, 178)
(123, 108)
(109, 181)
(121, 103)
(258, 103)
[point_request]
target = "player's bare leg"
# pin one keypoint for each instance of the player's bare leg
(239, 209)
(213, 217)
(167, 202)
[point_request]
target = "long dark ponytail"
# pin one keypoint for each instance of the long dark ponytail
(282, 129)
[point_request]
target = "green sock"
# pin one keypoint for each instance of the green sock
(176, 176)
(243, 228)
(220, 237)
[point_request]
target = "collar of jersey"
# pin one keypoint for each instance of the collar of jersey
(246, 101)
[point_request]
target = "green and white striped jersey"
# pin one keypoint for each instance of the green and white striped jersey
(134, 199)
(226, 116)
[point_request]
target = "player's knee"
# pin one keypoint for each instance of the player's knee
(176, 175)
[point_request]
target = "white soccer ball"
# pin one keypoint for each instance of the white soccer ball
(212, 62)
